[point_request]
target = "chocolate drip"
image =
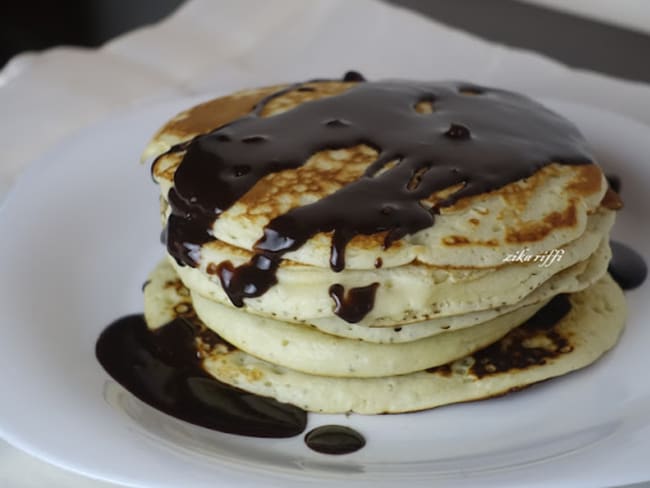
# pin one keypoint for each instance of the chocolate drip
(627, 267)
(163, 368)
(476, 137)
(334, 439)
(354, 305)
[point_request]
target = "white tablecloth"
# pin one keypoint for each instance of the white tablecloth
(214, 46)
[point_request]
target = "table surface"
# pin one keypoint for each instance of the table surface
(567, 38)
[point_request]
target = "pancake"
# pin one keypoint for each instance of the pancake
(533, 352)
(411, 293)
(545, 210)
(574, 278)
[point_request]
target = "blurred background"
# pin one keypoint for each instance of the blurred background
(612, 37)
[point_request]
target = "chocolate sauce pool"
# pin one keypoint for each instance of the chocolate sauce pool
(162, 368)
(482, 138)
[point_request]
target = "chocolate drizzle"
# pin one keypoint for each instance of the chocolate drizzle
(249, 280)
(334, 439)
(354, 305)
(163, 368)
(475, 137)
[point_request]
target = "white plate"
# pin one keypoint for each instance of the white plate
(79, 233)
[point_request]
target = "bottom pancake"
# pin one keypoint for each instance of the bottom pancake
(588, 324)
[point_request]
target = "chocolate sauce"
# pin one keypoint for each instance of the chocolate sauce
(510, 353)
(479, 137)
(353, 76)
(614, 182)
(334, 439)
(354, 305)
(249, 280)
(627, 267)
(163, 369)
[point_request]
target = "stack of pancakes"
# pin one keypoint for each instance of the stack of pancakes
(506, 284)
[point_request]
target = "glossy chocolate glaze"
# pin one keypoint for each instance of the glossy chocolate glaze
(627, 267)
(353, 305)
(163, 369)
(250, 279)
(479, 137)
(334, 439)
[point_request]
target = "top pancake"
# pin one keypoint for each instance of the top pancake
(541, 212)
